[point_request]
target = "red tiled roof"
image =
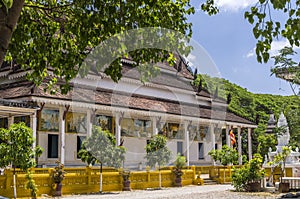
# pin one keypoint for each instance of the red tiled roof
(110, 98)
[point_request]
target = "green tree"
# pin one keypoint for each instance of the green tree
(60, 34)
(16, 149)
(101, 148)
(157, 153)
(293, 118)
(250, 172)
(264, 141)
(225, 156)
(284, 64)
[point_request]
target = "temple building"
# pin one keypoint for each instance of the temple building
(191, 118)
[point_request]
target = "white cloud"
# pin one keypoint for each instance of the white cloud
(277, 45)
(234, 5)
(250, 53)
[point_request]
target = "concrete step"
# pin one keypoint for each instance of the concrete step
(209, 182)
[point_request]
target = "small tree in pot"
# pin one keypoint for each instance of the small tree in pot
(57, 176)
(180, 162)
(126, 179)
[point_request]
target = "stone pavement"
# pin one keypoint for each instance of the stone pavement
(187, 192)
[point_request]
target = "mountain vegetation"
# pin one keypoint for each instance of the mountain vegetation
(257, 108)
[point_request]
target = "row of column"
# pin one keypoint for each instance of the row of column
(186, 137)
(155, 120)
(239, 142)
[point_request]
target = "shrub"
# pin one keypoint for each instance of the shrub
(225, 156)
(250, 172)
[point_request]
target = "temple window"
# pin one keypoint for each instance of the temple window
(52, 146)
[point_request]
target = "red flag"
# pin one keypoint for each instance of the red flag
(232, 137)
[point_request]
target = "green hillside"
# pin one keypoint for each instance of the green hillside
(257, 108)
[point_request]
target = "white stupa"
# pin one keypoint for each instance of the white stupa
(284, 138)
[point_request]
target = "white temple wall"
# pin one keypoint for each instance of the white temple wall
(193, 151)
(71, 149)
(135, 150)
(172, 145)
(43, 142)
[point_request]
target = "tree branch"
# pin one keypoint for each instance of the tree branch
(43, 7)
(10, 20)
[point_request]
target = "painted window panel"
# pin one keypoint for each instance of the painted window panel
(193, 130)
(76, 122)
(201, 133)
(105, 122)
(136, 127)
(49, 120)
(173, 131)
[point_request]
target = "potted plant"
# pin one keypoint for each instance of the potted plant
(180, 162)
(57, 176)
(126, 181)
(226, 156)
(248, 177)
(280, 161)
(255, 174)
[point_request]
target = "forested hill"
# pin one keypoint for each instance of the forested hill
(256, 107)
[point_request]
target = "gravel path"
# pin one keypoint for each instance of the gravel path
(187, 192)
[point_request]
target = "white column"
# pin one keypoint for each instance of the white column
(154, 126)
(33, 125)
(187, 143)
(240, 146)
(10, 121)
(62, 135)
(118, 129)
(89, 122)
(220, 144)
(249, 144)
(212, 136)
(227, 136)
(213, 139)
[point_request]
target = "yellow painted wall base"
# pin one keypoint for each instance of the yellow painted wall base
(87, 180)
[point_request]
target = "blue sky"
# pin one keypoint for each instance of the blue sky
(227, 38)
